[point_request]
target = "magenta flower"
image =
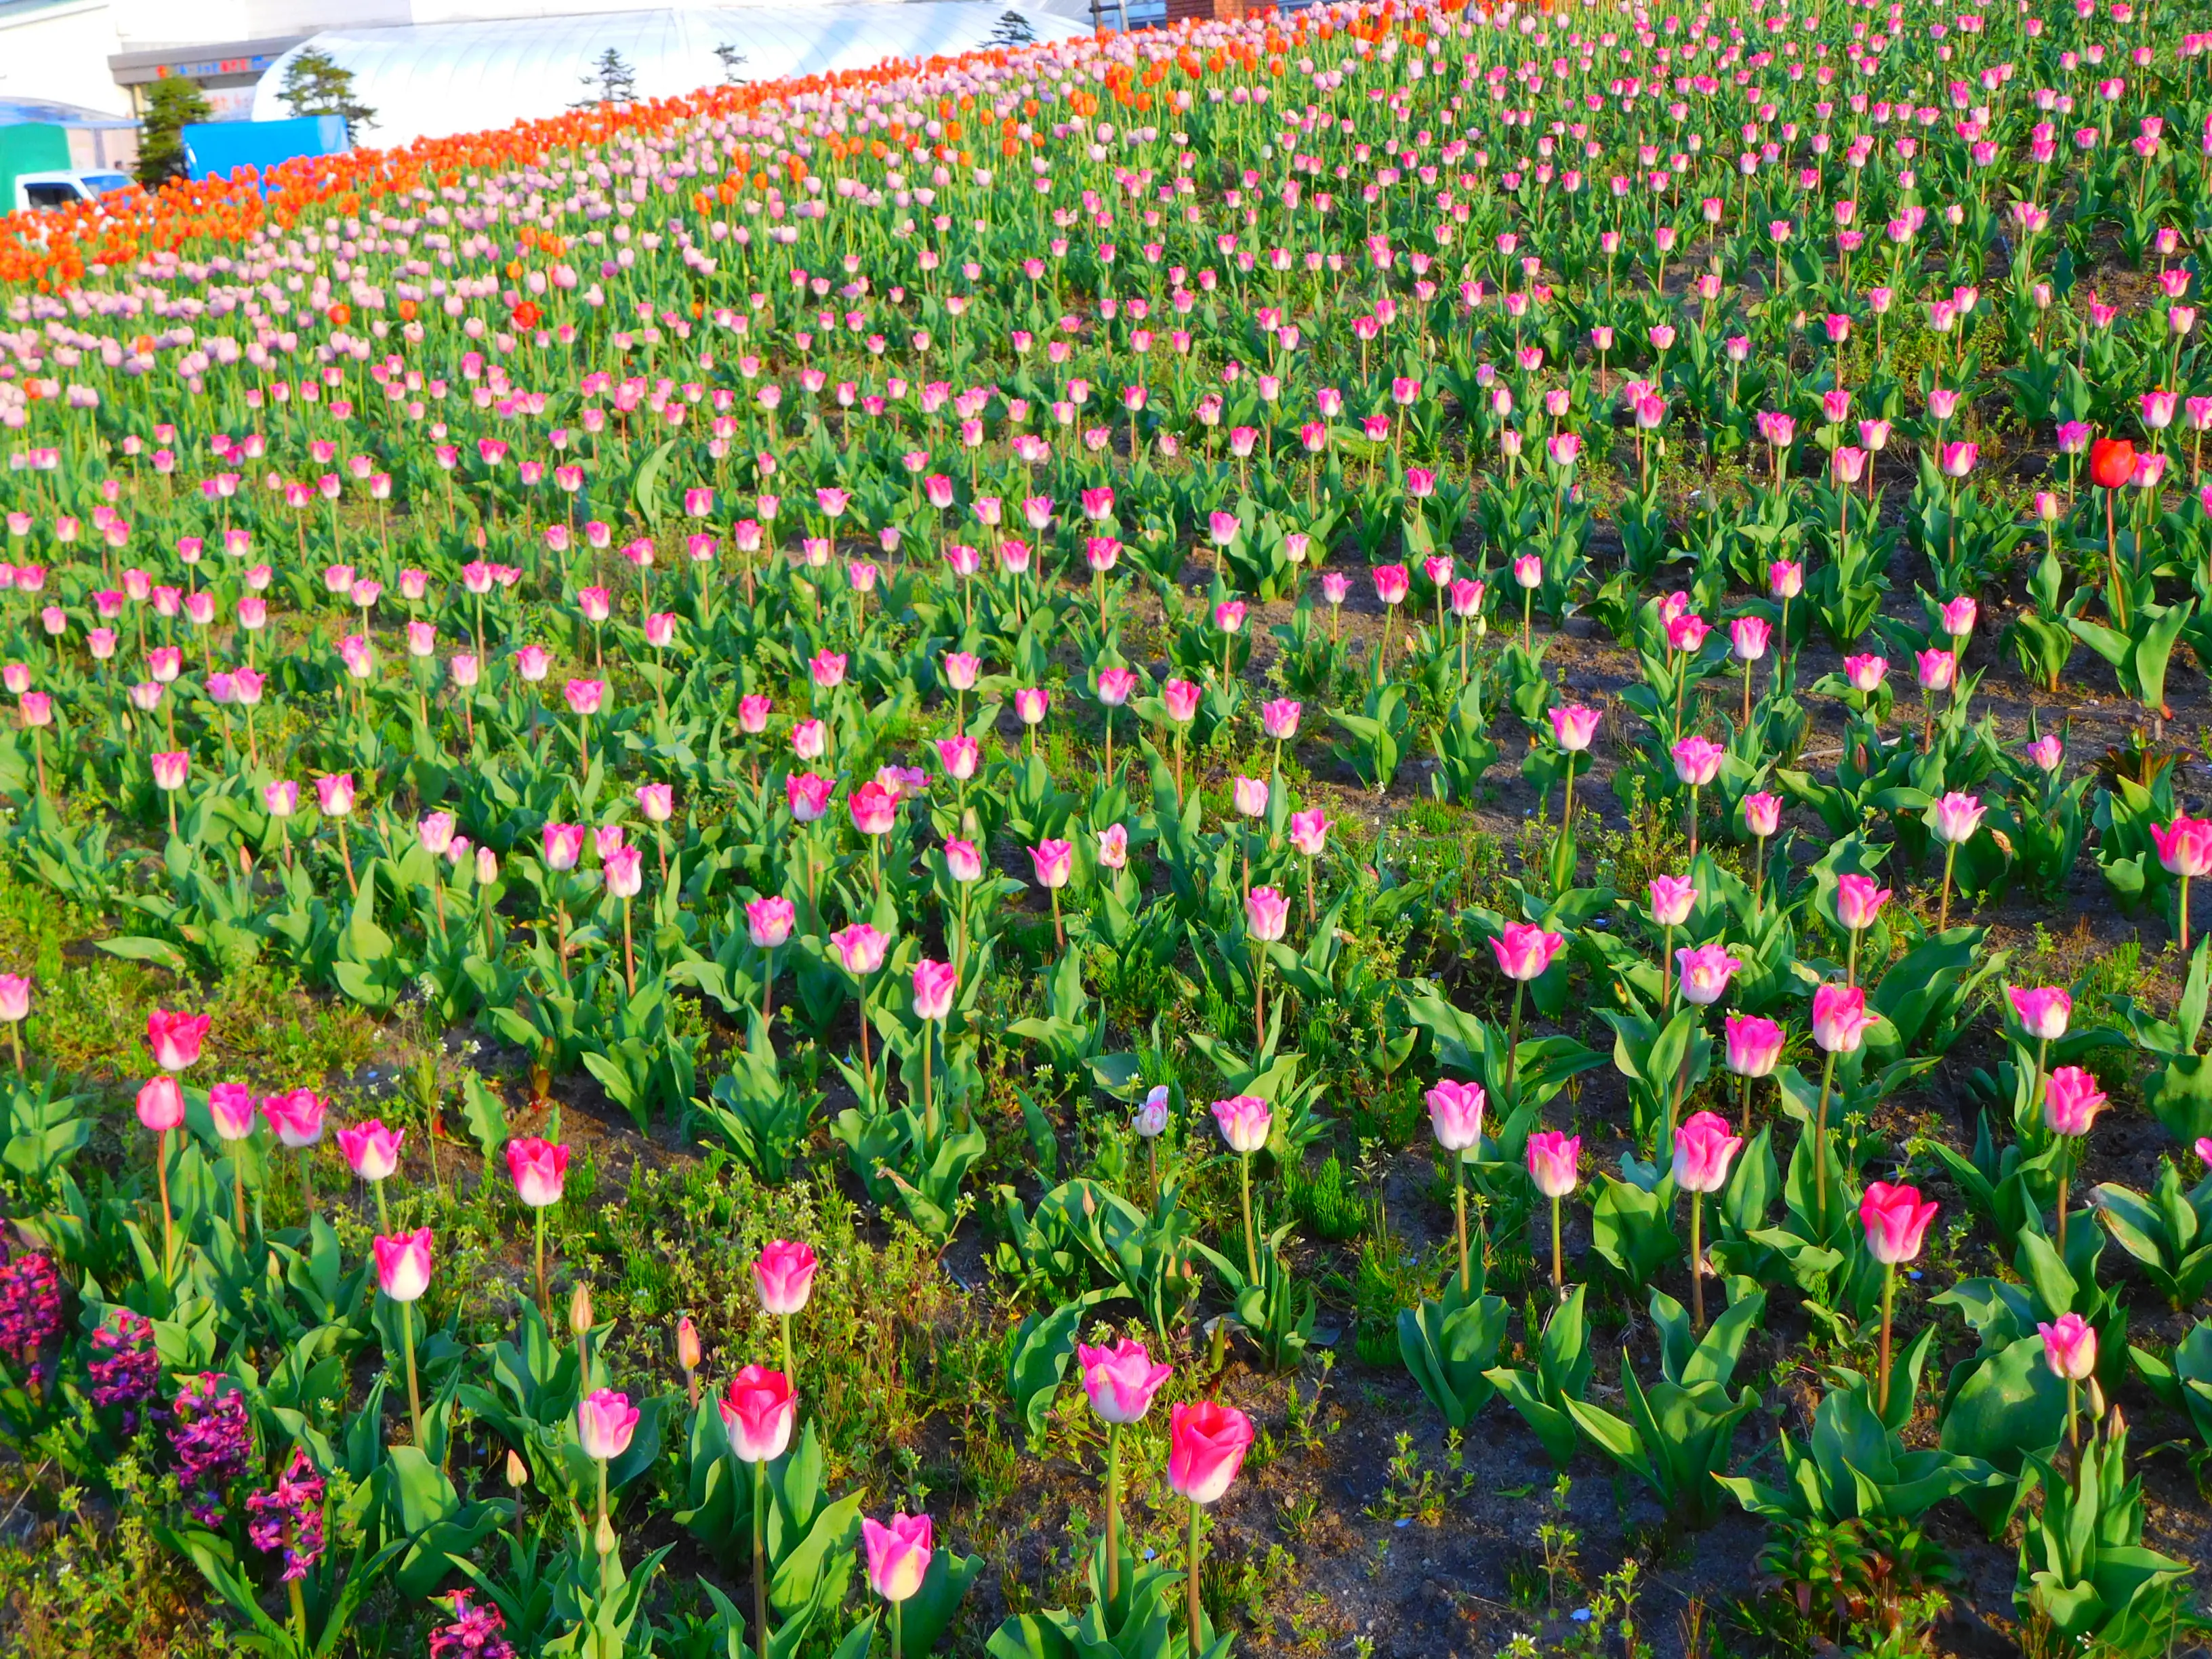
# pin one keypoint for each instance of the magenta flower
(1896, 1221)
(1704, 1149)
(1525, 950)
(1120, 1381)
(2043, 1013)
(1754, 1045)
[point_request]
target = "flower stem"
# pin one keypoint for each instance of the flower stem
(1113, 1516)
(760, 1558)
(414, 1389)
(168, 1222)
(1888, 1296)
(1459, 1207)
(1821, 1144)
(1190, 1558)
(1251, 1242)
(1698, 1260)
(1513, 1040)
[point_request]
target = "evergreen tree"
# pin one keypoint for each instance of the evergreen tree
(172, 104)
(1013, 29)
(316, 84)
(731, 59)
(611, 81)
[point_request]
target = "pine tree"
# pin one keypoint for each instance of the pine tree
(611, 81)
(173, 103)
(316, 84)
(1013, 29)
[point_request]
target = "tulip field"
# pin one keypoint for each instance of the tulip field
(1356, 832)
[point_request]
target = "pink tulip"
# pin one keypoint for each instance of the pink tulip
(563, 845)
(1785, 579)
(2069, 1348)
(1206, 1444)
(1960, 615)
(605, 1420)
(402, 1265)
(1116, 685)
(860, 948)
(1053, 861)
(1686, 632)
(783, 1276)
(1839, 1017)
(1859, 900)
(1704, 1149)
(538, 1169)
(1704, 973)
(1552, 1157)
(161, 1103)
(1698, 760)
(1935, 669)
(232, 1107)
(2071, 1100)
(1957, 817)
(1250, 796)
(758, 1411)
(1278, 719)
(1244, 1120)
(1573, 726)
(1754, 1045)
(2043, 1013)
(752, 713)
(334, 794)
(964, 860)
(1524, 951)
(296, 1119)
(1896, 1221)
(1455, 1114)
(371, 1151)
(1114, 847)
(874, 810)
(1120, 1380)
(1392, 583)
(2184, 847)
(808, 796)
(769, 921)
(1309, 832)
(898, 1555)
(1672, 899)
(1748, 637)
(934, 982)
(1267, 913)
(958, 756)
(1181, 700)
(175, 1038)
(1865, 672)
(1762, 813)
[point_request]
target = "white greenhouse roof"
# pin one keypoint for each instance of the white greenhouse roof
(429, 81)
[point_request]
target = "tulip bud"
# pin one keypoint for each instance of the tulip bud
(580, 1313)
(603, 1540)
(687, 1344)
(517, 1471)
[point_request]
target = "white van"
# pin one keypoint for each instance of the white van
(43, 191)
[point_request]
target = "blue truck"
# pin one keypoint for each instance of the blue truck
(216, 149)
